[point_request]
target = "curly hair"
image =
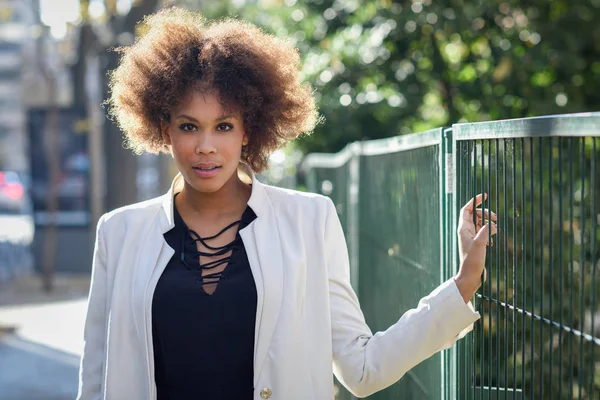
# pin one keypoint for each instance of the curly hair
(250, 71)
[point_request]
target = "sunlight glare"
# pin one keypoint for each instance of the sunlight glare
(57, 17)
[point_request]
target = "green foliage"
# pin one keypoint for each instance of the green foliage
(381, 68)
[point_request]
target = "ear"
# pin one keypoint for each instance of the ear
(245, 140)
(164, 131)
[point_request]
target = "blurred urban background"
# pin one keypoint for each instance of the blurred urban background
(380, 68)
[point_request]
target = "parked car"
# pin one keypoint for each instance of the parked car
(13, 195)
(16, 227)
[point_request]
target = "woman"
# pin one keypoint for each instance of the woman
(225, 288)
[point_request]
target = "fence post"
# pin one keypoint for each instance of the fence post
(448, 237)
(353, 239)
(311, 179)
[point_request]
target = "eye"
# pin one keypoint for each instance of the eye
(187, 127)
(224, 127)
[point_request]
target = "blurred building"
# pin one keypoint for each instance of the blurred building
(17, 45)
(35, 81)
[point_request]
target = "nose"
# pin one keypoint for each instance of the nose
(205, 143)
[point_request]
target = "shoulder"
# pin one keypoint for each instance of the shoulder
(282, 197)
(306, 205)
(137, 213)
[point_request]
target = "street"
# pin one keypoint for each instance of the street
(41, 337)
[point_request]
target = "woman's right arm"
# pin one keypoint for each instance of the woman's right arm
(93, 357)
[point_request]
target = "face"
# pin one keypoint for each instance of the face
(206, 141)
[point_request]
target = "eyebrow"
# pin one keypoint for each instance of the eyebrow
(220, 118)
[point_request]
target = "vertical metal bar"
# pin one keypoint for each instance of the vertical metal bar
(514, 276)
(480, 302)
(464, 185)
(440, 154)
(483, 205)
(482, 311)
(561, 263)
(593, 261)
(471, 187)
(470, 365)
(551, 261)
(572, 271)
(532, 266)
(497, 254)
(581, 266)
(447, 185)
(541, 278)
(523, 263)
(505, 263)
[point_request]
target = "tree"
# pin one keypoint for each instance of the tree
(52, 155)
(383, 68)
(98, 38)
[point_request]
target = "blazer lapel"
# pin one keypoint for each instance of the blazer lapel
(262, 243)
(154, 255)
(154, 252)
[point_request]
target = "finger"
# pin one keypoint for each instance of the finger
(494, 229)
(483, 236)
(467, 211)
(486, 213)
(479, 219)
(470, 237)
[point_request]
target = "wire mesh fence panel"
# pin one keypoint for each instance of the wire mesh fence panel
(396, 223)
(400, 226)
(539, 332)
(333, 181)
(538, 336)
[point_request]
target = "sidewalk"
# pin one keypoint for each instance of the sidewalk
(41, 338)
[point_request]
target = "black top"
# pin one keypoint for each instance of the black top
(204, 343)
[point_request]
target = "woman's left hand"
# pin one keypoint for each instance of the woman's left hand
(472, 243)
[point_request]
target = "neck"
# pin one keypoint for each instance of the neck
(230, 199)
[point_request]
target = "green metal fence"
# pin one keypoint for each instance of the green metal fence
(398, 200)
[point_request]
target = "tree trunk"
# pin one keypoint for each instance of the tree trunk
(121, 163)
(52, 150)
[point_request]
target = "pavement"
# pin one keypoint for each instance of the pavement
(41, 337)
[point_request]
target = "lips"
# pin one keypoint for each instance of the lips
(206, 170)
(206, 166)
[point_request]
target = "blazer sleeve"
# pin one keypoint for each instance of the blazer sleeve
(365, 363)
(93, 357)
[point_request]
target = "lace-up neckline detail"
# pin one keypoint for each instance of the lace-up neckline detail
(210, 261)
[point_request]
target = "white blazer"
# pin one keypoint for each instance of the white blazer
(307, 318)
